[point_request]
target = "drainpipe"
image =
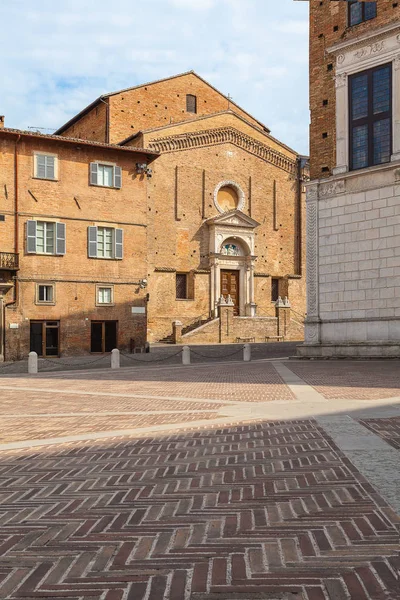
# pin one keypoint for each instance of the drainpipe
(16, 239)
(299, 182)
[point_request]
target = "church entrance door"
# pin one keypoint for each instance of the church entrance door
(230, 287)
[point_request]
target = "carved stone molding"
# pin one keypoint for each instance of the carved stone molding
(235, 186)
(396, 63)
(312, 193)
(223, 135)
(332, 188)
(312, 259)
(341, 80)
(371, 49)
(311, 333)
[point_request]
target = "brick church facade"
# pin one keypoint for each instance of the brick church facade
(195, 199)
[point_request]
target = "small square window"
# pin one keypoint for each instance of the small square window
(45, 166)
(104, 295)
(45, 293)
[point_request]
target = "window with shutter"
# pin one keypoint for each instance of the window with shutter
(92, 242)
(191, 103)
(60, 239)
(105, 175)
(119, 238)
(44, 237)
(45, 166)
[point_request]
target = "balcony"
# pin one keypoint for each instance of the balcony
(9, 261)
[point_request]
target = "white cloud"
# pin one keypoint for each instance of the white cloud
(69, 54)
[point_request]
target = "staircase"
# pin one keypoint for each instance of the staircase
(194, 324)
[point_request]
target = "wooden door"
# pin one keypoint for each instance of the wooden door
(230, 287)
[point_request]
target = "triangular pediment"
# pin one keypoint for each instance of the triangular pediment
(234, 218)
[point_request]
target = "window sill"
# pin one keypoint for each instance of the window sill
(104, 304)
(45, 179)
(106, 187)
(105, 258)
(45, 303)
(185, 299)
(42, 254)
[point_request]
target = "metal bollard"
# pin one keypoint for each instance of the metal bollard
(32, 362)
(186, 355)
(247, 353)
(115, 359)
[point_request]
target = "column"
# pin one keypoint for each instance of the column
(312, 327)
(342, 128)
(396, 109)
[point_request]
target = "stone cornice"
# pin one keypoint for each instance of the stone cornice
(367, 38)
(223, 135)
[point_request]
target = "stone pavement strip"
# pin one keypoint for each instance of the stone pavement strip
(225, 482)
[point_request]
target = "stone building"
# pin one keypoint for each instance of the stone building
(73, 235)
(353, 199)
(225, 207)
(131, 222)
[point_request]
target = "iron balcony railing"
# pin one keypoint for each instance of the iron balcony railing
(9, 261)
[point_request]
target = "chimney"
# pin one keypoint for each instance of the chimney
(1, 121)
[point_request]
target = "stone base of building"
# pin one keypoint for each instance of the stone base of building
(350, 350)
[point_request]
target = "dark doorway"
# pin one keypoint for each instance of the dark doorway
(44, 337)
(103, 336)
(230, 287)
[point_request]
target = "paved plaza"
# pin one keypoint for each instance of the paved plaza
(272, 480)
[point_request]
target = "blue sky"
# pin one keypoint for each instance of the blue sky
(58, 57)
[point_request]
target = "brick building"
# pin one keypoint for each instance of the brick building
(353, 199)
(212, 205)
(73, 238)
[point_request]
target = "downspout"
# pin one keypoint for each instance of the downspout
(16, 239)
(299, 216)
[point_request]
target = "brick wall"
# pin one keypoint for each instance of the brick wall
(74, 202)
(181, 198)
(153, 105)
(328, 25)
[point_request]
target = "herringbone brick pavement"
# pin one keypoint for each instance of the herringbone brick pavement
(353, 380)
(262, 511)
(244, 382)
(387, 429)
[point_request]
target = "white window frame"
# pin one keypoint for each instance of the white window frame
(117, 242)
(36, 154)
(59, 237)
(116, 176)
(108, 287)
(355, 56)
(37, 296)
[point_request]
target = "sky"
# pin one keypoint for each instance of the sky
(57, 57)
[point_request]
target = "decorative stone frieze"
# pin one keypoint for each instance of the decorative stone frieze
(220, 135)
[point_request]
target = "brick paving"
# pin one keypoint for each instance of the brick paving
(19, 429)
(353, 380)
(250, 383)
(387, 429)
(263, 511)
